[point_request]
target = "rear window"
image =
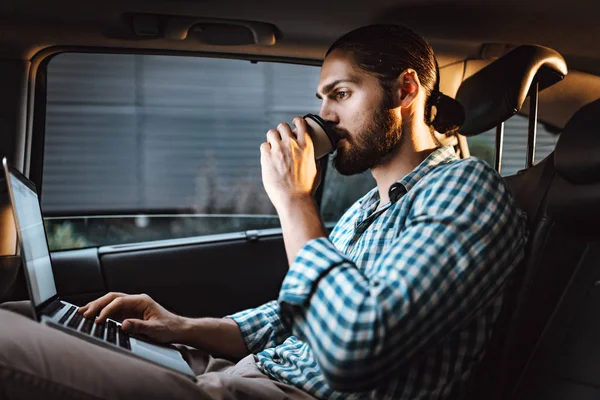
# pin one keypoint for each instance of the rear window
(515, 144)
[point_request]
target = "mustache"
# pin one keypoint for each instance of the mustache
(341, 132)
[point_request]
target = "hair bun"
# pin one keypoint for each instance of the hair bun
(450, 114)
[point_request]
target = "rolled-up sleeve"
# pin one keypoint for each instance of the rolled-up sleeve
(261, 327)
(453, 255)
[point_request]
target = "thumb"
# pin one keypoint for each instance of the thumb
(136, 326)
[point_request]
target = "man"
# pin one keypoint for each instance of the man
(400, 300)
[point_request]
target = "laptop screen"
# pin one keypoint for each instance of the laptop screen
(36, 257)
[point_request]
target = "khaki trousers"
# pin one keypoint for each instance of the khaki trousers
(38, 362)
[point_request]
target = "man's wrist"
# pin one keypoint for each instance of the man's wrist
(300, 223)
(183, 329)
(292, 204)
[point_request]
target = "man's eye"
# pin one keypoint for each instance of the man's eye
(342, 94)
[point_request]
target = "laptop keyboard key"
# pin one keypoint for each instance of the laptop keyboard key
(87, 326)
(99, 332)
(65, 317)
(75, 321)
(123, 339)
(111, 333)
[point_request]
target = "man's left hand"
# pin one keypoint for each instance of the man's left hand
(288, 164)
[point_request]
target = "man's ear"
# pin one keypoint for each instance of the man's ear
(406, 88)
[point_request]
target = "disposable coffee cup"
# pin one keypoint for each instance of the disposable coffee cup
(323, 136)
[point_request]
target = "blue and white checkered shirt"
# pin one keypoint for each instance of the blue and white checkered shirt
(399, 302)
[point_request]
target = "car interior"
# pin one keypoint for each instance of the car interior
(140, 124)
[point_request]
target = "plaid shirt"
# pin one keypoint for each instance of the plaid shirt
(399, 302)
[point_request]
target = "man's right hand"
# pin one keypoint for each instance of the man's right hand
(140, 314)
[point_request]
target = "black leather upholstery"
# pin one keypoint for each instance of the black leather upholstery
(498, 91)
(490, 97)
(529, 190)
(566, 360)
(543, 356)
(575, 206)
(578, 149)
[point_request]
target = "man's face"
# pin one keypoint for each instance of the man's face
(355, 102)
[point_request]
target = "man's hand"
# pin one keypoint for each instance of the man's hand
(140, 314)
(288, 164)
(290, 177)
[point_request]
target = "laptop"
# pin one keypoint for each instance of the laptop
(48, 308)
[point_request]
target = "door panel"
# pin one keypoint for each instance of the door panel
(204, 279)
(77, 272)
(197, 279)
(78, 275)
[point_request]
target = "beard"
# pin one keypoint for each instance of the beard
(371, 146)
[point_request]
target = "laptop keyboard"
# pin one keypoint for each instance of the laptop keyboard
(114, 333)
(65, 317)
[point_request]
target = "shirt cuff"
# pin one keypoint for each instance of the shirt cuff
(313, 261)
(257, 325)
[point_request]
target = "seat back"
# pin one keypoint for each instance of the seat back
(552, 350)
(489, 97)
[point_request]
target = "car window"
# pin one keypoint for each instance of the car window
(340, 192)
(146, 147)
(515, 145)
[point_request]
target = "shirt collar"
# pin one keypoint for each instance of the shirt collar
(439, 156)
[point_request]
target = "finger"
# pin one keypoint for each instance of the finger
(120, 305)
(265, 154)
(110, 309)
(136, 326)
(286, 132)
(92, 308)
(85, 307)
(301, 130)
(264, 149)
(274, 138)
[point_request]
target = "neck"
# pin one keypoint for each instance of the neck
(416, 145)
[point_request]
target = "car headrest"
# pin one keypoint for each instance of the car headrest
(497, 92)
(577, 153)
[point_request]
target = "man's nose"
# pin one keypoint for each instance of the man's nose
(327, 113)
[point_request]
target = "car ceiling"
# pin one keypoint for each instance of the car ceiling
(571, 27)
(458, 30)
